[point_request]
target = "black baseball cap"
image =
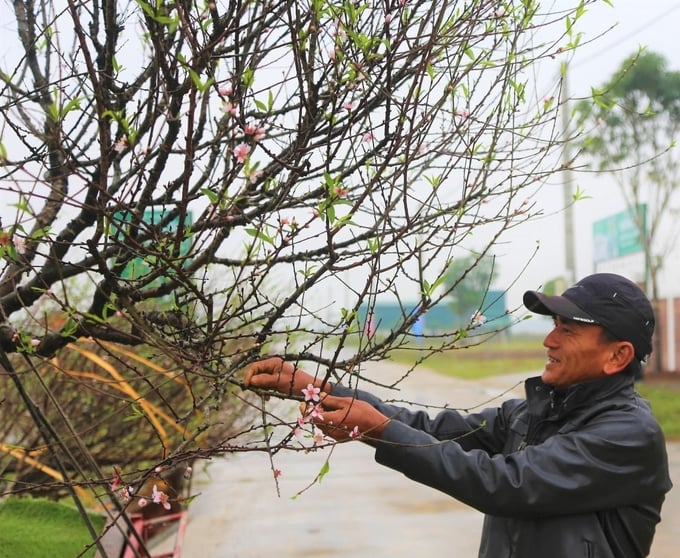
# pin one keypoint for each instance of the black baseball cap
(606, 299)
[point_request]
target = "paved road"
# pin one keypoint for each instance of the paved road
(360, 509)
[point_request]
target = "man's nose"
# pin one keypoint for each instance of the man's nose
(550, 341)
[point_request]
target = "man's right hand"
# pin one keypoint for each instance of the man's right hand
(278, 375)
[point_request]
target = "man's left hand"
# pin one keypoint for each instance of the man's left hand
(345, 418)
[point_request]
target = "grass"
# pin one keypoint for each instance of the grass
(491, 358)
(527, 354)
(38, 528)
(663, 397)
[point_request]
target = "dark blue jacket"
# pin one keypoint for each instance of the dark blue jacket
(581, 472)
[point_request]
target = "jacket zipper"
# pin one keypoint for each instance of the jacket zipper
(532, 429)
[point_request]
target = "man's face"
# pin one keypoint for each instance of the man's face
(577, 352)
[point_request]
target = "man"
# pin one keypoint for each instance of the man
(578, 469)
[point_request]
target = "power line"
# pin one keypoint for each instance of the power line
(637, 31)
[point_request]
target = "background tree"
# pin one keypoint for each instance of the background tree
(224, 180)
(634, 123)
(469, 279)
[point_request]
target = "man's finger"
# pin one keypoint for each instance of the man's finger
(251, 373)
(264, 368)
(333, 402)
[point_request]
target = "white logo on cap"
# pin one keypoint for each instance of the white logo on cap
(586, 320)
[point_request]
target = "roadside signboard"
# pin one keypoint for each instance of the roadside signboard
(619, 234)
(618, 246)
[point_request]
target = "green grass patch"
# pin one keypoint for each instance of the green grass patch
(664, 398)
(37, 528)
(491, 358)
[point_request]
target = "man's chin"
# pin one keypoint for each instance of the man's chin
(548, 377)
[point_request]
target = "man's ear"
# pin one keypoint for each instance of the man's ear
(622, 355)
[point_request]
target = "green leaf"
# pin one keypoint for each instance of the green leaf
(260, 235)
(580, 194)
(71, 105)
(200, 85)
(324, 470)
(212, 196)
(430, 71)
(248, 77)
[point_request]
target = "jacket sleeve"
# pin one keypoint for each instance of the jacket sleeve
(613, 461)
(485, 431)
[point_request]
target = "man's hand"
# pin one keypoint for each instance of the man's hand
(344, 418)
(278, 375)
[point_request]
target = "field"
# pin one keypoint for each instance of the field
(491, 358)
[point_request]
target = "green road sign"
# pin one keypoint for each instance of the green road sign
(619, 235)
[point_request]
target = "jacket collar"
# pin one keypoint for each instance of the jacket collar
(544, 398)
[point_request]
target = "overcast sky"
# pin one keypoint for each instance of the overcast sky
(654, 24)
(616, 33)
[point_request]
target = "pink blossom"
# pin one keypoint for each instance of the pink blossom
(558, 51)
(226, 90)
(230, 108)
(368, 136)
(388, 18)
(277, 473)
(159, 497)
(370, 327)
(117, 481)
(478, 319)
(354, 433)
(311, 392)
(318, 438)
(340, 32)
(316, 412)
(35, 342)
(125, 494)
(257, 132)
(348, 106)
(241, 152)
(299, 429)
(142, 502)
(121, 145)
(252, 175)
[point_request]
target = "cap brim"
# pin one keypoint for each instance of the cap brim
(555, 306)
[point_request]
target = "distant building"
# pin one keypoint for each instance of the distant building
(384, 316)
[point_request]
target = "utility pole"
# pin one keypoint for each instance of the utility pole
(567, 185)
